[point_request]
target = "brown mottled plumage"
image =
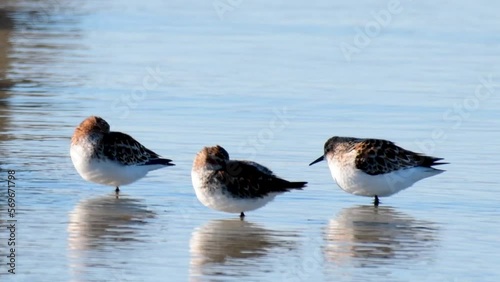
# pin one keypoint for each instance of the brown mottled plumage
(242, 179)
(110, 158)
(375, 167)
(115, 146)
(377, 156)
(232, 185)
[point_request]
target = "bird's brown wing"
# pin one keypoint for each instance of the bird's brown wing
(250, 180)
(376, 156)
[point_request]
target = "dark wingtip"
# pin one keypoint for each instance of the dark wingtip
(432, 161)
(166, 162)
(437, 161)
(297, 185)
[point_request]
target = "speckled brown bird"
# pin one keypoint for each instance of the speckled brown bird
(235, 186)
(375, 167)
(110, 158)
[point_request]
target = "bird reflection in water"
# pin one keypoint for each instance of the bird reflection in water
(100, 221)
(367, 236)
(232, 248)
(99, 228)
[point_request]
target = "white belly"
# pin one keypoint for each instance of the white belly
(357, 182)
(105, 172)
(215, 197)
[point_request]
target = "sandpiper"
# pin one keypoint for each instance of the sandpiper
(375, 167)
(235, 186)
(110, 158)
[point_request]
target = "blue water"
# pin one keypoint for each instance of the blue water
(270, 82)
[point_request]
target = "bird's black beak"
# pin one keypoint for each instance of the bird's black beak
(322, 158)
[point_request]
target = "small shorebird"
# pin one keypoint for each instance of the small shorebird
(110, 158)
(235, 186)
(375, 167)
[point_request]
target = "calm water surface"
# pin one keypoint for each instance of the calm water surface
(270, 82)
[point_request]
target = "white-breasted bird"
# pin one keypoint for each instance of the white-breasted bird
(375, 167)
(111, 158)
(235, 186)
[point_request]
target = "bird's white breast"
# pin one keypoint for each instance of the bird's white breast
(102, 170)
(357, 182)
(214, 195)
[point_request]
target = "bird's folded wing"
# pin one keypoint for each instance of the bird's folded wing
(250, 180)
(126, 150)
(377, 156)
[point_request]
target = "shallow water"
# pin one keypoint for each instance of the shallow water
(270, 82)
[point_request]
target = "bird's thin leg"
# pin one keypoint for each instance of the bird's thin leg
(376, 202)
(242, 215)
